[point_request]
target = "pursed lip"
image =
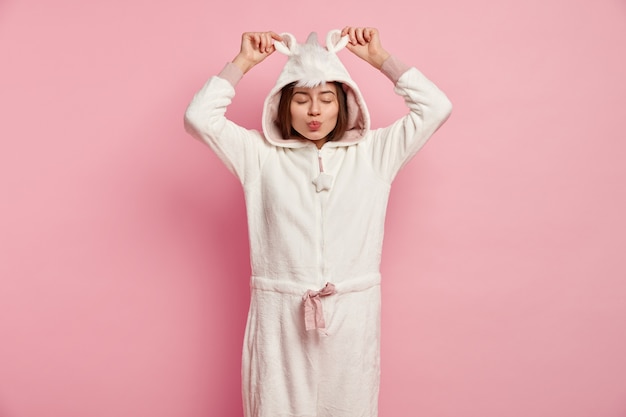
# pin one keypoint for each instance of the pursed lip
(314, 125)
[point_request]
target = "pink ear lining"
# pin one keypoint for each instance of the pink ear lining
(335, 42)
(288, 46)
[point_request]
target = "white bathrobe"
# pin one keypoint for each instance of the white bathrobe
(315, 217)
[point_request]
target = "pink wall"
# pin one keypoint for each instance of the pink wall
(123, 251)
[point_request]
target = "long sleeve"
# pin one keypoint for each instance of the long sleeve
(393, 146)
(240, 149)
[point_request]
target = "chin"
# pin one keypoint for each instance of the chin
(313, 136)
(318, 135)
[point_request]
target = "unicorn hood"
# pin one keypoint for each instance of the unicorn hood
(309, 65)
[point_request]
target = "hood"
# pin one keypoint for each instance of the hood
(310, 64)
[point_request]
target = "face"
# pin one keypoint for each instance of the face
(314, 111)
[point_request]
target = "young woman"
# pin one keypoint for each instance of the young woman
(316, 183)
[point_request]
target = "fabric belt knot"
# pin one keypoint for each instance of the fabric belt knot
(313, 314)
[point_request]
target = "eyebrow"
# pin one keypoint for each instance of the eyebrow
(307, 94)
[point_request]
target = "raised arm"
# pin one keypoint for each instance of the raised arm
(239, 148)
(428, 106)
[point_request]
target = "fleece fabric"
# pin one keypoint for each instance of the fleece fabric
(315, 219)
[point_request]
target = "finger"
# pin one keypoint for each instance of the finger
(270, 43)
(352, 35)
(247, 39)
(267, 45)
(368, 34)
(255, 39)
(276, 36)
(348, 31)
(264, 43)
(359, 36)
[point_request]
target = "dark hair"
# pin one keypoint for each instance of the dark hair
(283, 118)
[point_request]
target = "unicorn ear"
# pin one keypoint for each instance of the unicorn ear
(288, 46)
(335, 42)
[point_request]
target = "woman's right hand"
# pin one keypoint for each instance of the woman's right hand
(255, 47)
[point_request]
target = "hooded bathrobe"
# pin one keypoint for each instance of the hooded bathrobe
(315, 220)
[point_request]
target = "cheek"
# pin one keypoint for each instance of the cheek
(335, 113)
(296, 114)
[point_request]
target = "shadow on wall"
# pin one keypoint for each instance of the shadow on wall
(198, 208)
(215, 240)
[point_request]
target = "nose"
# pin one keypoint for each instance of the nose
(314, 108)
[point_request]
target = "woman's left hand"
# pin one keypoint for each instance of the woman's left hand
(365, 43)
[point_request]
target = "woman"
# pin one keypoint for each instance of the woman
(316, 183)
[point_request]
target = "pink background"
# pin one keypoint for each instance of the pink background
(124, 263)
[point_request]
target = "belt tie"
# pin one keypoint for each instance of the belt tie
(313, 314)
